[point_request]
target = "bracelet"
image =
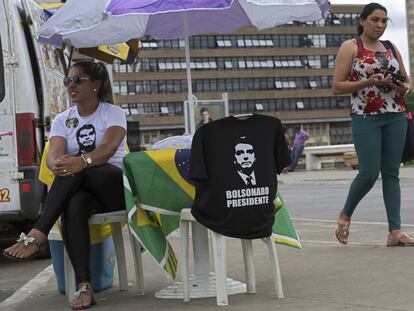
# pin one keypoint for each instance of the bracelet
(84, 160)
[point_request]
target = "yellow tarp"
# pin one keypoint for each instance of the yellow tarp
(106, 53)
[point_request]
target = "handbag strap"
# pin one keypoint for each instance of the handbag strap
(389, 46)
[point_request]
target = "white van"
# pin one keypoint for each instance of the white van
(31, 94)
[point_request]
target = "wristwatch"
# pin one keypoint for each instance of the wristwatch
(87, 159)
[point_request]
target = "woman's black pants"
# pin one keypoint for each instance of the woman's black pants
(98, 189)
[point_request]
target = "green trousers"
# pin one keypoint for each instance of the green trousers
(379, 142)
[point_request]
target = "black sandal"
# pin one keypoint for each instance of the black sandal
(83, 290)
(27, 240)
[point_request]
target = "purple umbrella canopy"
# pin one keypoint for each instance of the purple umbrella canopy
(91, 23)
(98, 22)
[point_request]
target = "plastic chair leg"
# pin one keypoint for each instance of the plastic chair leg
(70, 281)
(247, 247)
(136, 254)
(219, 253)
(277, 278)
(184, 241)
(120, 255)
(200, 249)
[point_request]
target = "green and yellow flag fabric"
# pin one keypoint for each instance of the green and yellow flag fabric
(157, 187)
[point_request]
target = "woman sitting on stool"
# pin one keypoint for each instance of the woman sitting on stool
(87, 144)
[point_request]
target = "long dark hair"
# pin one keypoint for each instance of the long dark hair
(97, 71)
(367, 11)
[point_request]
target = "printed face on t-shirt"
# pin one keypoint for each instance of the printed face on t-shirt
(244, 154)
(86, 137)
(245, 157)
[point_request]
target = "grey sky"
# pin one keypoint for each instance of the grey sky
(397, 29)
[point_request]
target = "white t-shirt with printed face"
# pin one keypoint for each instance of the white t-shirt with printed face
(84, 134)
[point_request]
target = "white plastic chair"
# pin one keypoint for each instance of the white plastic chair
(219, 254)
(115, 219)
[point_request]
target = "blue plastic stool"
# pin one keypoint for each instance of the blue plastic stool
(102, 264)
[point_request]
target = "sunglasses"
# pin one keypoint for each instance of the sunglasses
(76, 79)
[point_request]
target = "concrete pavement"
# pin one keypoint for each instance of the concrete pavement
(345, 175)
(365, 275)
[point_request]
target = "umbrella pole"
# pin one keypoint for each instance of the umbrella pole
(200, 236)
(190, 97)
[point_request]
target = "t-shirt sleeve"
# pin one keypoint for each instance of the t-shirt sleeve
(282, 150)
(198, 169)
(58, 127)
(116, 117)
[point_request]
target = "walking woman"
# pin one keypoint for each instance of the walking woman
(87, 144)
(373, 72)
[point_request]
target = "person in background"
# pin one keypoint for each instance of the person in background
(371, 70)
(298, 145)
(86, 181)
(287, 138)
(205, 117)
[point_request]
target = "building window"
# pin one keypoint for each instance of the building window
(258, 41)
(123, 88)
(149, 44)
(116, 88)
(285, 104)
(312, 84)
(259, 107)
(131, 88)
(125, 109)
(223, 63)
(300, 105)
(228, 64)
(221, 85)
(122, 68)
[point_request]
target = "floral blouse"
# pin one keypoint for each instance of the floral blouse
(374, 100)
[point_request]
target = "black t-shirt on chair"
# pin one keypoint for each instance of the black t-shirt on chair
(234, 163)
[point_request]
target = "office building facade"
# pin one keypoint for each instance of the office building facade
(284, 71)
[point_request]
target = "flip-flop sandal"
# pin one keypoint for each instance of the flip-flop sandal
(342, 229)
(403, 240)
(27, 240)
(83, 290)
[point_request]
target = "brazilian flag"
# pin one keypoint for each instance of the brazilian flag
(157, 187)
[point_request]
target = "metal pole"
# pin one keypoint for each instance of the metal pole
(200, 238)
(188, 69)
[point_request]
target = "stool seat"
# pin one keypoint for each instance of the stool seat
(219, 254)
(186, 215)
(105, 218)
